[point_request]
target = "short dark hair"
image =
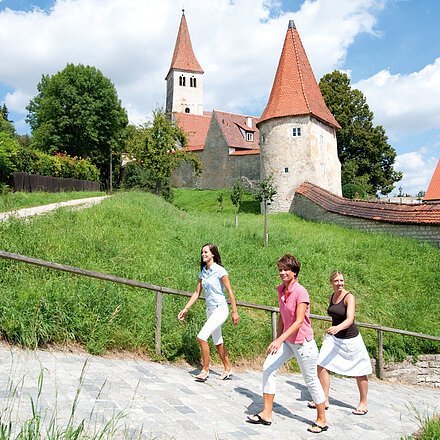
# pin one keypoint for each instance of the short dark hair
(214, 251)
(291, 262)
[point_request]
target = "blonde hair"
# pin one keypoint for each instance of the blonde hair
(334, 275)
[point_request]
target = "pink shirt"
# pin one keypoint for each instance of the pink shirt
(297, 295)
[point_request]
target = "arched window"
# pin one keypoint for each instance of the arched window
(192, 82)
(181, 80)
(187, 110)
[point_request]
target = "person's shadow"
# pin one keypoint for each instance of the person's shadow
(257, 404)
(306, 397)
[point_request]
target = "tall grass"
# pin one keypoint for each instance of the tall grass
(140, 236)
(11, 201)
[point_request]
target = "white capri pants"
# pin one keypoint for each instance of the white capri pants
(306, 354)
(216, 316)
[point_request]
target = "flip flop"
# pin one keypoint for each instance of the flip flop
(202, 376)
(226, 375)
(317, 429)
(313, 405)
(360, 412)
(256, 419)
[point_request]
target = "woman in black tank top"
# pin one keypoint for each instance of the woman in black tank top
(343, 350)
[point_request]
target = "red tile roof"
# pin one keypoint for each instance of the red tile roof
(245, 152)
(381, 211)
(230, 124)
(433, 191)
(196, 127)
(295, 91)
(183, 56)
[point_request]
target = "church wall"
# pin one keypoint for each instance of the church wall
(305, 208)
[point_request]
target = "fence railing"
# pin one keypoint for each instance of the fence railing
(160, 291)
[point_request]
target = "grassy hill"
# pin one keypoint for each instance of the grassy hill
(140, 236)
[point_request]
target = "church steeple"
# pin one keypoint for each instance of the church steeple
(295, 91)
(184, 78)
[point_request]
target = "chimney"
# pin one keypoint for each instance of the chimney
(249, 122)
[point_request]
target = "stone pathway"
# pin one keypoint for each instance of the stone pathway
(159, 401)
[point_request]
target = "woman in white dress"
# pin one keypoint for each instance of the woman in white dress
(343, 350)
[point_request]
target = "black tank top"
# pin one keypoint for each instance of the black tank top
(338, 313)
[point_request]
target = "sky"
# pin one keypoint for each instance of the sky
(389, 48)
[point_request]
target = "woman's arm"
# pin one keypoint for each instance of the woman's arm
(350, 302)
(227, 284)
(300, 314)
(191, 301)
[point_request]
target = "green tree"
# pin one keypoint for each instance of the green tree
(6, 126)
(158, 146)
(77, 111)
(236, 198)
(265, 194)
(366, 157)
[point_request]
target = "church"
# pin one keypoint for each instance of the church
(294, 140)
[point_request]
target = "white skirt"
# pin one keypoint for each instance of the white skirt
(348, 357)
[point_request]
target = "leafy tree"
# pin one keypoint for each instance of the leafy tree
(77, 111)
(236, 198)
(366, 157)
(158, 147)
(6, 126)
(265, 194)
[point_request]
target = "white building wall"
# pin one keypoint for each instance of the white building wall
(291, 160)
(180, 98)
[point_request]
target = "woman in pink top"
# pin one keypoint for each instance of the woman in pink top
(294, 338)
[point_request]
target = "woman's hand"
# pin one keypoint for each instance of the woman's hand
(332, 330)
(182, 314)
(235, 318)
(274, 346)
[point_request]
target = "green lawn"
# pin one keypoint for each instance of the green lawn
(140, 236)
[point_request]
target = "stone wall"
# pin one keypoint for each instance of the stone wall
(425, 370)
(305, 208)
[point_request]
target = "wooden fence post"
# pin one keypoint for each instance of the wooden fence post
(379, 363)
(159, 301)
(274, 325)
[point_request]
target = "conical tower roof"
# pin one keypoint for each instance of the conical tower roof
(295, 91)
(183, 56)
(433, 191)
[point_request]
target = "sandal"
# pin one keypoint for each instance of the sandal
(202, 376)
(317, 429)
(226, 375)
(312, 405)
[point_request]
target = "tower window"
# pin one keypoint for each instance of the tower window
(192, 82)
(296, 131)
(249, 136)
(285, 170)
(181, 80)
(187, 110)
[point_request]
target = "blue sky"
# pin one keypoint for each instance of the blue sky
(388, 47)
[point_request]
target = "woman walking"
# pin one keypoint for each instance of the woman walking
(214, 280)
(294, 338)
(343, 350)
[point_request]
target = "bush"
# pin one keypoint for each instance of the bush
(354, 191)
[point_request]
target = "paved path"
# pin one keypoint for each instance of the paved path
(163, 402)
(38, 210)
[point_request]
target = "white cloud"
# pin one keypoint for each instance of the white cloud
(237, 43)
(417, 168)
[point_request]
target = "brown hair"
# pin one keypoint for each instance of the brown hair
(214, 251)
(291, 262)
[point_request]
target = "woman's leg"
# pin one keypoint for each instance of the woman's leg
(206, 355)
(307, 354)
(222, 352)
(362, 383)
(324, 378)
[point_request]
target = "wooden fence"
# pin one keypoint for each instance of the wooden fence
(160, 291)
(34, 182)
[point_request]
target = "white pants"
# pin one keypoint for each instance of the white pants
(213, 325)
(306, 354)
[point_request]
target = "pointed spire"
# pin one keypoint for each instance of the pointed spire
(183, 56)
(433, 191)
(295, 91)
